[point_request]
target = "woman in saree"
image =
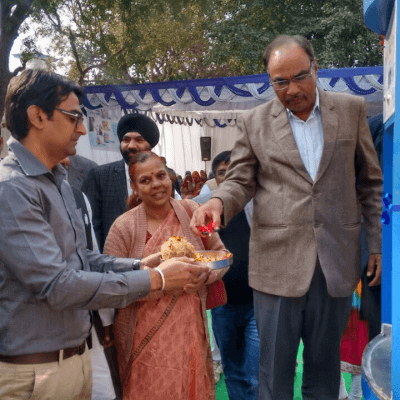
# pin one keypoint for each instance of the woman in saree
(162, 340)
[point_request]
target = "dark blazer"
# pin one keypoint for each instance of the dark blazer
(295, 218)
(78, 169)
(106, 188)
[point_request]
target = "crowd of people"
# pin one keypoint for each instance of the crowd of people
(193, 182)
(86, 297)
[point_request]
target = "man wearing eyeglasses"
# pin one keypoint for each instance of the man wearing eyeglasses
(308, 160)
(49, 280)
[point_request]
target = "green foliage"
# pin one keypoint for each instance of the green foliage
(12, 14)
(120, 41)
(241, 30)
(125, 41)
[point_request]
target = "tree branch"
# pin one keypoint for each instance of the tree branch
(104, 63)
(56, 24)
(71, 38)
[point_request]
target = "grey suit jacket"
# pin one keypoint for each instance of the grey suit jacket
(295, 219)
(106, 189)
(79, 169)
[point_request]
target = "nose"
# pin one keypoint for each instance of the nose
(155, 183)
(133, 145)
(81, 128)
(292, 89)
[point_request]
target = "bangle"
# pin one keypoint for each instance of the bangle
(162, 277)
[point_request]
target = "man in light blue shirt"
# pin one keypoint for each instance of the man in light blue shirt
(309, 137)
(296, 156)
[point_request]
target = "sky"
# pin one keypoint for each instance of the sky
(16, 49)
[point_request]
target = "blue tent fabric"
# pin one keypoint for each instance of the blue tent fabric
(206, 93)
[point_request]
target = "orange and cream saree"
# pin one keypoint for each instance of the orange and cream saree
(162, 340)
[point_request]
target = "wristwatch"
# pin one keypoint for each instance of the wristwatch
(136, 264)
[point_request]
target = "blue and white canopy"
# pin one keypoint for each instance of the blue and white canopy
(201, 107)
(183, 101)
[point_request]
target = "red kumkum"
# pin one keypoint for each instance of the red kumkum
(209, 228)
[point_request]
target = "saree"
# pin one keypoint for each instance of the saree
(162, 341)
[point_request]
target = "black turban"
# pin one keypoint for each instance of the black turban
(139, 123)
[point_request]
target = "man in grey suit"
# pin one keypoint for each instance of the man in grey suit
(308, 161)
(79, 168)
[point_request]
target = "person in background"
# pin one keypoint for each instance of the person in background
(1, 142)
(105, 375)
(234, 324)
(295, 155)
(209, 186)
(195, 178)
(49, 280)
(176, 192)
(174, 183)
(365, 317)
(203, 175)
(167, 358)
(107, 186)
(197, 188)
(187, 187)
(79, 168)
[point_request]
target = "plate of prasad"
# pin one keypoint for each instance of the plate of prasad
(178, 246)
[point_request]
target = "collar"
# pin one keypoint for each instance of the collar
(30, 165)
(316, 107)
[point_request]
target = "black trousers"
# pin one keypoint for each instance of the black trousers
(111, 355)
(319, 320)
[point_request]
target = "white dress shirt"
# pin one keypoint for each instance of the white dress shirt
(309, 137)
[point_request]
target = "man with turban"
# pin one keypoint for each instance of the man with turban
(108, 186)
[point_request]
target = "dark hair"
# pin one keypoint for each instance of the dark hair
(34, 87)
(141, 158)
(223, 157)
(283, 40)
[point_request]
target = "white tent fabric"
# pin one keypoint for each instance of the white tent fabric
(179, 144)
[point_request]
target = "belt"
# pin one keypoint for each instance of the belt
(41, 358)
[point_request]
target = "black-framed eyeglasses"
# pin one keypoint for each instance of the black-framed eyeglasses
(284, 83)
(78, 116)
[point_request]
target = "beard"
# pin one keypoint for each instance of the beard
(128, 154)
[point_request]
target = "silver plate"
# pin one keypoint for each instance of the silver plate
(226, 262)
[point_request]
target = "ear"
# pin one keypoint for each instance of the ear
(133, 186)
(36, 116)
(315, 66)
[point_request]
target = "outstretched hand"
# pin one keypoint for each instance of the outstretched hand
(182, 271)
(210, 211)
